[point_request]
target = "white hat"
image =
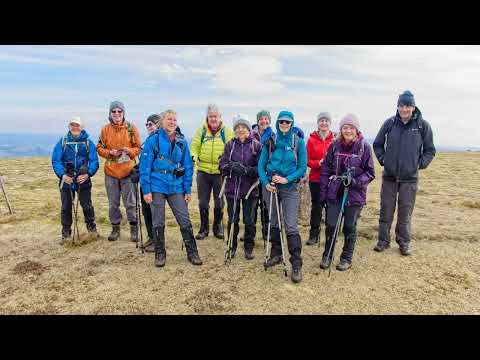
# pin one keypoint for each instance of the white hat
(241, 119)
(75, 120)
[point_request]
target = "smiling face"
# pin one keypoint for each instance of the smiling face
(349, 133)
(117, 116)
(151, 127)
(263, 122)
(406, 112)
(170, 122)
(213, 119)
(241, 132)
(323, 125)
(75, 129)
(284, 125)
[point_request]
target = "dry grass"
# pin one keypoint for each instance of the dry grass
(94, 276)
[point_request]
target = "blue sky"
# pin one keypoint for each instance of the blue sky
(41, 87)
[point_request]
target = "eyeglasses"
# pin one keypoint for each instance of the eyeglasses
(117, 111)
(284, 122)
(148, 124)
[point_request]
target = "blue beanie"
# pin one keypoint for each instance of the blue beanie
(285, 115)
(406, 99)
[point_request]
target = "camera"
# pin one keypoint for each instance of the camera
(179, 172)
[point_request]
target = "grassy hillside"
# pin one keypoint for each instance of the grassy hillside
(38, 276)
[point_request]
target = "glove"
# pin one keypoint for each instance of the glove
(251, 171)
(238, 169)
(135, 175)
(323, 203)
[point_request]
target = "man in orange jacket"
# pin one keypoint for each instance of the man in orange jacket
(119, 144)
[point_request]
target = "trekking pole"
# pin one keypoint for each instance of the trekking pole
(324, 223)
(346, 182)
(281, 228)
(6, 197)
(267, 248)
(228, 253)
(75, 227)
(139, 217)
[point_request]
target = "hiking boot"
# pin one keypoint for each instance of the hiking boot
(203, 232)
(381, 246)
(160, 252)
(149, 246)
(249, 254)
(274, 260)
(66, 236)
(312, 240)
(115, 234)
(133, 232)
(325, 263)
(191, 246)
(217, 223)
(296, 274)
(314, 236)
(343, 265)
(92, 228)
(405, 250)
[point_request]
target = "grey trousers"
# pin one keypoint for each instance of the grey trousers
(178, 205)
(388, 201)
(288, 200)
(126, 189)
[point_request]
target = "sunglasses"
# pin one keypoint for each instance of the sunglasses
(284, 122)
(117, 111)
(148, 124)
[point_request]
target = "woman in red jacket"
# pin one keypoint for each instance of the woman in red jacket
(317, 147)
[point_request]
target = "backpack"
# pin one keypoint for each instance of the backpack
(253, 144)
(391, 122)
(66, 142)
(295, 137)
(204, 133)
(156, 149)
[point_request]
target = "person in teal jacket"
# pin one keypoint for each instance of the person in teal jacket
(166, 171)
(75, 161)
(282, 164)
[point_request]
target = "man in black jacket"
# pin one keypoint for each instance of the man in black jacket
(403, 145)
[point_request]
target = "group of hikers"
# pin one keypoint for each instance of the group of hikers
(256, 168)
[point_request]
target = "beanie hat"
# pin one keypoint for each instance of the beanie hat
(241, 119)
(116, 104)
(154, 118)
(324, 115)
(213, 108)
(264, 113)
(285, 115)
(406, 99)
(350, 119)
(75, 120)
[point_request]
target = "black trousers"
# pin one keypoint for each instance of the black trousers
(206, 183)
(317, 209)
(147, 216)
(263, 212)
(349, 228)
(248, 212)
(85, 197)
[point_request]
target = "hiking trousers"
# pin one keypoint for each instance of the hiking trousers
(125, 189)
(403, 193)
(68, 199)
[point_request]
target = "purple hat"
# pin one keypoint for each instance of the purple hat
(350, 119)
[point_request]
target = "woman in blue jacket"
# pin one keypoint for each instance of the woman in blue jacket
(166, 172)
(282, 164)
(75, 161)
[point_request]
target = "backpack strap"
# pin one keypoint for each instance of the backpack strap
(204, 132)
(222, 135)
(130, 133)
(231, 151)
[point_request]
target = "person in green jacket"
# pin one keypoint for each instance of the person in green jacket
(206, 149)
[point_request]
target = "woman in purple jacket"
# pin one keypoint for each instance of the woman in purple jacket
(348, 151)
(239, 165)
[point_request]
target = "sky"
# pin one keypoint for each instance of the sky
(41, 87)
